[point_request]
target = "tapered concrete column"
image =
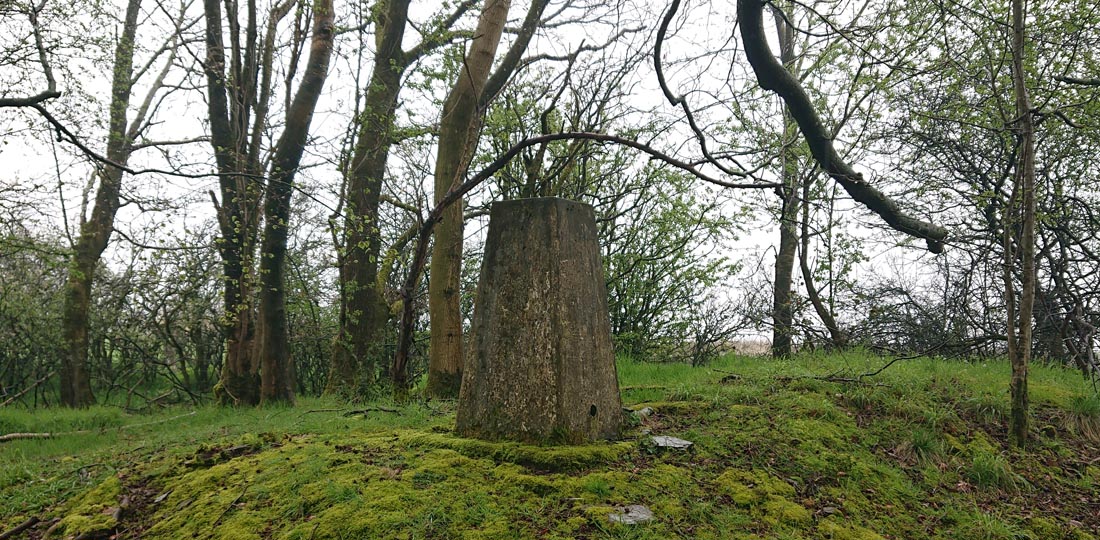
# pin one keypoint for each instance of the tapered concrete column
(540, 365)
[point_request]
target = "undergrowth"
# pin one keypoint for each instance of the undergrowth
(918, 451)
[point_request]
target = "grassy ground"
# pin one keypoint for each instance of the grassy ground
(916, 452)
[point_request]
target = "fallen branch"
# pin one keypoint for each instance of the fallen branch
(829, 378)
(31, 522)
(311, 411)
(20, 436)
(372, 409)
(177, 417)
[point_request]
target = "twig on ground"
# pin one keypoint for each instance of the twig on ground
(227, 508)
(321, 410)
(30, 522)
(20, 436)
(372, 409)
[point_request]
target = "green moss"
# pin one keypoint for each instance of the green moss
(549, 458)
(778, 511)
(1044, 528)
(830, 529)
(770, 455)
(748, 488)
(95, 511)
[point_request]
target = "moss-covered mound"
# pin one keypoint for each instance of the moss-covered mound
(918, 453)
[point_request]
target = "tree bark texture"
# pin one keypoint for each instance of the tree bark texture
(364, 311)
(458, 128)
(237, 104)
(1019, 343)
(542, 366)
(276, 366)
(95, 233)
(773, 76)
(782, 293)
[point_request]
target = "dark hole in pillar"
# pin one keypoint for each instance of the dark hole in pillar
(592, 411)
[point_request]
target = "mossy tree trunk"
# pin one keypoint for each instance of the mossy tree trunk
(276, 366)
(239, 91)
(1023, 205)
(95, 232)
(458, 129)
(363, 309)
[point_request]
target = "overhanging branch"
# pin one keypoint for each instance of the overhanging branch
(773, 76)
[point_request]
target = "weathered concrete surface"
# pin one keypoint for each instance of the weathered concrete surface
(540, 364)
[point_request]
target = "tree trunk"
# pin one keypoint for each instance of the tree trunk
(838, 337)
(782, 294)
(1019, 346)
(364, 311)
(782, 297)
(76, 388)
(276, 367)
(458, 128)
(237, 109)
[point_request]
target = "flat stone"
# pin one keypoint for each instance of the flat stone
(631, 515)
(644, 412)
(664, 441)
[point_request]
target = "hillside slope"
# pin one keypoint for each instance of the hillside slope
(916, 452)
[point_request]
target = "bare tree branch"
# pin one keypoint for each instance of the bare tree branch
(773, 76)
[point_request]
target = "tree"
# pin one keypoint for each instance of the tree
(95, 232)
(773, 76)
(1022, 204)
(257, 365)
(363, 309)
(276, 368)
(459, 124)
(782, 301)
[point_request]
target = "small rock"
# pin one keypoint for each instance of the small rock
(631, 515)
(664, 441)
(644, 412)
(829, 510)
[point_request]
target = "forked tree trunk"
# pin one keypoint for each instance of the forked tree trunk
(542, 366)
(76, 387)
(276, 366)
(238, 93)
(364, 312)
(458, 128)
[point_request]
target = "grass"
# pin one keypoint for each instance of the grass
(1084, 416)
(916, 452)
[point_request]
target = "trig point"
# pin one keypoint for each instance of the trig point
(540, 366)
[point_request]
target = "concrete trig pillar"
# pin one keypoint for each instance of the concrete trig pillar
(540, 366)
